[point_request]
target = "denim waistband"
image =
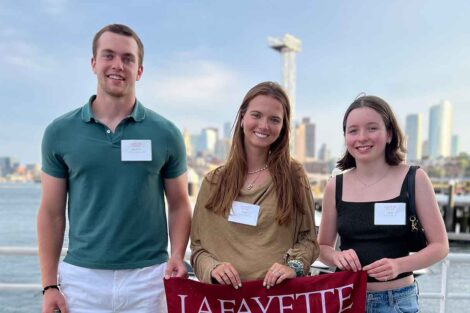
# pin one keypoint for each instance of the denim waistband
(388, 295)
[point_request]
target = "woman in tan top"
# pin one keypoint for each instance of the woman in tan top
(254, 215)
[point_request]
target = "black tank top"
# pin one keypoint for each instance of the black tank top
(357, 230)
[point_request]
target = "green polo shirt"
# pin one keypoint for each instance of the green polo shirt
(116, 208)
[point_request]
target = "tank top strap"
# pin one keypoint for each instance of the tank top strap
(339, 188)
(404, 186)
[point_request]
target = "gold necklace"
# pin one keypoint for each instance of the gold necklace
(259, 170)
(252, 184)
(375, 182)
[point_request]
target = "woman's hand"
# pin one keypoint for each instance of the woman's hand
(226, 274)
(276, 274)
(347, 260)
(383, 269)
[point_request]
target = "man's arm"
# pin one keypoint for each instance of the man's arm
(179, 220)
(50, 231)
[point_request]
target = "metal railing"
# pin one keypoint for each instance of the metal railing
(22, 251)
(443, 296)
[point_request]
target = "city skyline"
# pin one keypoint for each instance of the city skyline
(202, 57)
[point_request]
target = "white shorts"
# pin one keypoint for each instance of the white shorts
(104, 291)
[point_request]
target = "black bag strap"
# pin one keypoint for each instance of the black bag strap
(411, 189)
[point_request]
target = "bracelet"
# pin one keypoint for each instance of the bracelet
(297, 266)
(50, 287)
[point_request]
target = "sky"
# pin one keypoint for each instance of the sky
(201, 57)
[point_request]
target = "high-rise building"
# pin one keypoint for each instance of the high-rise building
(455, 150)
(305, 140)
(425, 149)
(8, 165)
(324, 154)
(413, 130)
(440, 130)
(299, 149)
(227, 130)
(309, 138)
(187, 142)
(208, 140)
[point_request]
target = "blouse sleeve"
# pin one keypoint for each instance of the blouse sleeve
(202, 261)
(305, 248)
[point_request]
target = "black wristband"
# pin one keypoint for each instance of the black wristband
(50, 287)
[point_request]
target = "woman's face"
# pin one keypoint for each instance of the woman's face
(262, 122)
(366, 135)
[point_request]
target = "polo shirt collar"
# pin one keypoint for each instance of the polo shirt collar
(138, 113)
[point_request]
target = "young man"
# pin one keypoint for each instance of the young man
(114, 160)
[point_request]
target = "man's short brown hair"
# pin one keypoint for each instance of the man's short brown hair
(120, 30)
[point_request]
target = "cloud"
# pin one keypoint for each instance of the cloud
(54, 7)
(193, 93)
(199, 83)
(20, 55)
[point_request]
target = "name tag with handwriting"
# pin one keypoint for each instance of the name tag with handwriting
(390, 213)
(244, 213)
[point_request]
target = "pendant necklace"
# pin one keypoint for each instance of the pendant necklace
(252, 184)
(375, 182)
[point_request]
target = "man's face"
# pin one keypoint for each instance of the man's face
(116, 65)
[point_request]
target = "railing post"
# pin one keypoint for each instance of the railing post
(443, 300)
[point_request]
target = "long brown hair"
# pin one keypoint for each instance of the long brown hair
(395, 150)
(288, 175)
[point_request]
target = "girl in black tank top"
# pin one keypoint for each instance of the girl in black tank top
(366, 207)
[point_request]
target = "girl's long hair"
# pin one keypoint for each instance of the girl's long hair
(288, 175)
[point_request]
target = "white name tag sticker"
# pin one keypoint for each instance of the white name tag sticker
(390, 213)
(244, 213)
(136, 150)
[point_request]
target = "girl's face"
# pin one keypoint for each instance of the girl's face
(366, 135)
(262, 122)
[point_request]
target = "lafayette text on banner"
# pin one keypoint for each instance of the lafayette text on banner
(336, 292)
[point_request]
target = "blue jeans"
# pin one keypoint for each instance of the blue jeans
(402, 300)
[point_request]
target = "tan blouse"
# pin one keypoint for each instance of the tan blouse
(251, 249)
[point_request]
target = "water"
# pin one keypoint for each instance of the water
(18, 209)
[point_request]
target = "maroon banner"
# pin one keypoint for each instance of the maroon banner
(336, 292)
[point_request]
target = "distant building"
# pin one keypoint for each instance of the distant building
(413, 130)
(188, 143)
(222, 149)
(455, 150)
(305, 140)
(8, 165)
(425, 149)
(324, 154)
(208, 140)
(227, 130)
(316, 166)
(299, 149)
(194, 142)
(440, 130)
